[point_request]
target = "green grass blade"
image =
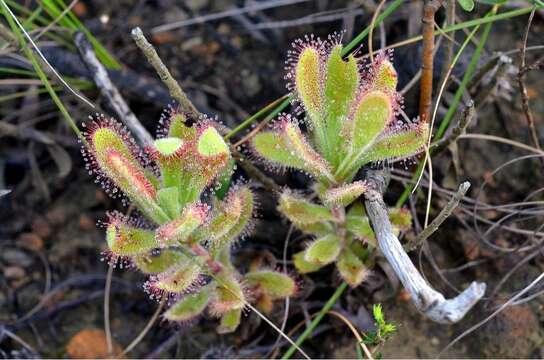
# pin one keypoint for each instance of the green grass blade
(70, 21)
(30, 55)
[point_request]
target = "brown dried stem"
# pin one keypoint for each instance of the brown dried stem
(426, 87)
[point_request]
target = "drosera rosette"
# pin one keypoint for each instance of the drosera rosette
(351, 110)
(182, 240)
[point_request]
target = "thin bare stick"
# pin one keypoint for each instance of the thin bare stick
(145, 330)
(458, 130)
(109, 90)
(443, 215)
(354, 331)
(427, 300)
(426, 87)
(503, 141)
(524, 95)
(173, 87)
(371, 32)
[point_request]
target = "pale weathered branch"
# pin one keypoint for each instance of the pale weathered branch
(427, 300)
(110, 91)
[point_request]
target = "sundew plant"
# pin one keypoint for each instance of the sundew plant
(351, 112)
(180, 241)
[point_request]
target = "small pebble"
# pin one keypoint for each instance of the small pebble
(14, 272)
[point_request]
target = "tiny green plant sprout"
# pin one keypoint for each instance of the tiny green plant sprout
(182, 242)
(351, 115)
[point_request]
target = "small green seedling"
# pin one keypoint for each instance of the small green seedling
(351, 116)
(182, 243)
(375, 339)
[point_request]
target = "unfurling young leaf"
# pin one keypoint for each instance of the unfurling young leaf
(323, 250)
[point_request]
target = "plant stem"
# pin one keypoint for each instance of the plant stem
(457, 97)
(308, 332)
(426, 87)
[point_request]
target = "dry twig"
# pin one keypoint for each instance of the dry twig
(173, 86)
(443, 215)
(457, 131)
(427, 300)
(109, 90)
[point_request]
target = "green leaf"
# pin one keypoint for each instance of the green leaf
(344, 194)
(467, 5)
(301, 211)
(399, 144)
(190, 306)
(127, 240)
(228, 295)
(229, 220)
(385, 76)
(169, 201)
(178, 279)
(351, 268)
(318, 228)
(342, 81)
(324, 250)
(372, 114)
(158, 261)
(304, 266)
(229, 321)
(308, 79)
(274, 284)
(289, 147)
(359, 225)
(211, 143)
